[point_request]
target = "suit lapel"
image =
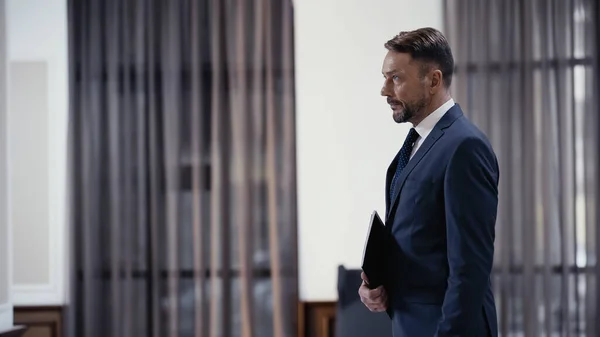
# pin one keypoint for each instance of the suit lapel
(438, 131)
(388, 181)
(421, 152)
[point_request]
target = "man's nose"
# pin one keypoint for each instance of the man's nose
(383, 91)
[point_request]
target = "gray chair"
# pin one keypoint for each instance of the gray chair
(352, 318)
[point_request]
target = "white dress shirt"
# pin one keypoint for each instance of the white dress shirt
(426, 126)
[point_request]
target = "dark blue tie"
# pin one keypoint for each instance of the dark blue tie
(403, 158)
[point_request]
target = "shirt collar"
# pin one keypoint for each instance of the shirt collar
(429, 122)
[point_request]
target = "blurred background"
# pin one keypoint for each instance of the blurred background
(209, 167)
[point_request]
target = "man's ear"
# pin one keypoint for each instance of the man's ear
(437, 81)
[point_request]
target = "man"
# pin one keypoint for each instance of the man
(441, 201)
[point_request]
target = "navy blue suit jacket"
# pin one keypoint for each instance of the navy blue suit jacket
(443, 219)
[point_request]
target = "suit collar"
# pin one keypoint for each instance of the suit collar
(452, 115)
(428, 123)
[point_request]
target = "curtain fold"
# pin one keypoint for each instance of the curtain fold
(182, 165)
(526, 74)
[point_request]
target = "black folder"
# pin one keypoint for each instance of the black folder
(376, 253)
(381, 258)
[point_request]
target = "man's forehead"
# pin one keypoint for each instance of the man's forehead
(396, 63)
(392, 63)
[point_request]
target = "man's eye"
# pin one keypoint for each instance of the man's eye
(395, 78)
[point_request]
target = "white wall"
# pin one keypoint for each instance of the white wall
(37, 124)
(345, 132)
(6, 308)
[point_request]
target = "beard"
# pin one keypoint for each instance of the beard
(407, 111)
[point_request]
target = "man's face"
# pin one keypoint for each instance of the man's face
(404, 87)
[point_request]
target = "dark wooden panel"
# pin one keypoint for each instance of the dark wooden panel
(41, 321)
(316, 319)
(16, 331)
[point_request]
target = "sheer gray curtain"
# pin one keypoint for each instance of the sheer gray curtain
(182, 164)
(526, 74)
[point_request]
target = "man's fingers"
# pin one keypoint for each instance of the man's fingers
(371, 303)
(376, 305)
(373, 297)
(378, 309)
(377, 292)
(380, 298)
(371, 294)
(364, 277)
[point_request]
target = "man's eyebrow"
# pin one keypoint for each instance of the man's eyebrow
(392, 72)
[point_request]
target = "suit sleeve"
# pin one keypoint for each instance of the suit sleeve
(471, 200)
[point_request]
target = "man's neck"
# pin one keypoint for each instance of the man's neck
(435, 104)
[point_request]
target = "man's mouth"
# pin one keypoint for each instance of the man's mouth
(394, 104)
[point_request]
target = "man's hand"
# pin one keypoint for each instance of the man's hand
(374, 299)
